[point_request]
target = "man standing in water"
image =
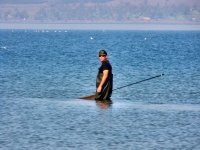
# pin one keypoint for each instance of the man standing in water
(104, 80)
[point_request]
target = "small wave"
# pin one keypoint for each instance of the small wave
(160, 107)
(177, 107)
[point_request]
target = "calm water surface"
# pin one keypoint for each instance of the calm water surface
(42, 74)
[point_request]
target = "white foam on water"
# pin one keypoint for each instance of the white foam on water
(3, 47)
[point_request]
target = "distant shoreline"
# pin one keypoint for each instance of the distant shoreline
(97, 26)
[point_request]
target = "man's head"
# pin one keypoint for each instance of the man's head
(103, 55)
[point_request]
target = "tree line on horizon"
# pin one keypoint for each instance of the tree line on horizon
(44, 1)
(125, 12)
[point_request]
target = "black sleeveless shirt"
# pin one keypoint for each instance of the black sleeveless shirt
(105, 66)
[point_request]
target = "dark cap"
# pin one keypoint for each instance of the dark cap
(102, 53)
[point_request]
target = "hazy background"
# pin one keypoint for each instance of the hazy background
(78, 14)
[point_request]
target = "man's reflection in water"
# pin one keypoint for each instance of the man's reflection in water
(104, 104)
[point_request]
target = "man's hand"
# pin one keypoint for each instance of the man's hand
(99, 89)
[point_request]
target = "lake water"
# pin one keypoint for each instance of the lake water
(42, 74)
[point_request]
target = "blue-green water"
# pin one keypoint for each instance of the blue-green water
(42, 74)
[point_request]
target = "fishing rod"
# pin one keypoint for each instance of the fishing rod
(139, 82)
(93, 95)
